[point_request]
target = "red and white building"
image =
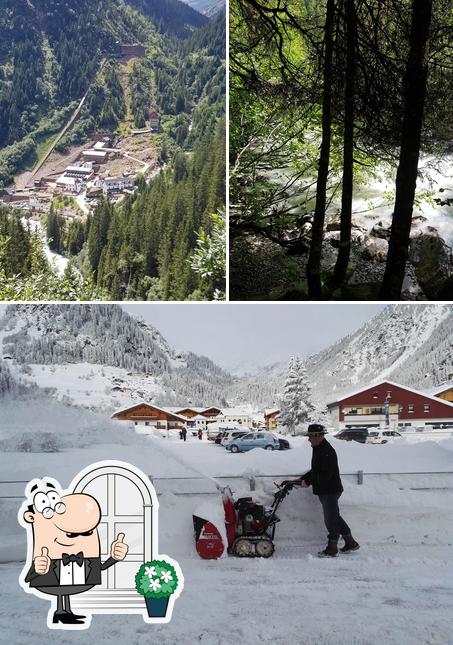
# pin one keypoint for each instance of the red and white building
(388, 404)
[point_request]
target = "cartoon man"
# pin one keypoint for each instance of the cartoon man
(66, 548)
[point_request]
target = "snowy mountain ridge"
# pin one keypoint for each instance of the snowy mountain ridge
(101, 356)
(106, 335)
(409, 344)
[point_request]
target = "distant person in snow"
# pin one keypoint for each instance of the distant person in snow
(324, 477)
(184, 433)
(200, 434)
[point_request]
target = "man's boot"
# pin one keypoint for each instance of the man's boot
(349, 544)
(331, 550)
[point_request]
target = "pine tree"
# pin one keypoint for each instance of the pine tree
(296, 404)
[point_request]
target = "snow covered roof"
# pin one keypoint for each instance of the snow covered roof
(270, 411)
(67, 181)
(441, 388)
(238, 412)
(84, 169)
(151, 405)
(94, 153)
(391, 383)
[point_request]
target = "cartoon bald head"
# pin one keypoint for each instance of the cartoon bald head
(62, 524)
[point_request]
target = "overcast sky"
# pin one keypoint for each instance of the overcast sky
(233, 334)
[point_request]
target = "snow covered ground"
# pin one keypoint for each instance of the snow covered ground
(397, 589)
(89, 385)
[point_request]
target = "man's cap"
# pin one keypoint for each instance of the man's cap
(315, 429)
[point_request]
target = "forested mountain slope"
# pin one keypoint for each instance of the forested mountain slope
(52, 54)
(105, 335)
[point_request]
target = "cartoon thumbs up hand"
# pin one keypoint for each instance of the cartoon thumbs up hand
(42, 562)
(119, 550)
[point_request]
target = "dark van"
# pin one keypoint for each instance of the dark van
(353, 434)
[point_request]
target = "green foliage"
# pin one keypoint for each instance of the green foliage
(142, 250)
(209, 258)
(156, 579)
(55, 230)
(15, 157)
(25, 274)
(48, 286)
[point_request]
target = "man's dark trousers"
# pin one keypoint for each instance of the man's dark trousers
(335, 524)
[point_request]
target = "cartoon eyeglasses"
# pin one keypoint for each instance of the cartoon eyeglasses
(48, 504)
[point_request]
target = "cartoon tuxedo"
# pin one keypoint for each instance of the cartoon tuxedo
(66, 546)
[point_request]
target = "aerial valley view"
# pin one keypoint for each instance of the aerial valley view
(112, 150)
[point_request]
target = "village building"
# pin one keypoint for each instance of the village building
(9, 196)
(237, 416)
(115, 184)
(211, 413)
(145, 415)
(84, 170)
(68, 184)
(388, 404)
(135, 50)
(198, 422)
(200, 417)
(189, 413)
(145, 131)
(271, 419)
(153, 120)
(445, 392)
(97, 156)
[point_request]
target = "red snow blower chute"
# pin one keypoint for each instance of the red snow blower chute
(250, 527)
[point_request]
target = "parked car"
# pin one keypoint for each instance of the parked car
(284, 444)
(382, 436)
(353, 434)
(228, 435)
(252, 440)
(212, 433)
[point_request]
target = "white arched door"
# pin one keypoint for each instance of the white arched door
(126, 501)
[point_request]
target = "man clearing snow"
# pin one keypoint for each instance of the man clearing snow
(324, 477)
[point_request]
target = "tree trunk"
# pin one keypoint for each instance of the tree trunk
(406, 178)
(317, 232)
(344, 251)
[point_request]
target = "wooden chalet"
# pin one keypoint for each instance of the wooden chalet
(146, 414)
(271, 419)
(445, 392)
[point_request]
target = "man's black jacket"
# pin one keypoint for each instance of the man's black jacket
(324, 475)
(93, 568)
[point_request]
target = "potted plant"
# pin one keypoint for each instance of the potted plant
(156, 581)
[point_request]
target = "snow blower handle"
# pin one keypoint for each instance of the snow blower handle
(288, 483)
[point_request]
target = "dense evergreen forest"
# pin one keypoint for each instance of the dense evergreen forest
(341, 149)
(143, 250)
(167, 240)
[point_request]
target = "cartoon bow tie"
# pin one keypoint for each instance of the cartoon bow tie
(72, 558)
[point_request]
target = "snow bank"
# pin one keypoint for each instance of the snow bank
(46, 425)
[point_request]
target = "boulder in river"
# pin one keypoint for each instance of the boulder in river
(375, 249)
(381, 231)
(432, 260)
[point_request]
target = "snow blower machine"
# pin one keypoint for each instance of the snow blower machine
(249, 526)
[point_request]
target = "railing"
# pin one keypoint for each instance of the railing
(17, 487)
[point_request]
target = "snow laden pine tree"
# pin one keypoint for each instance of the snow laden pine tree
(296, 405)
